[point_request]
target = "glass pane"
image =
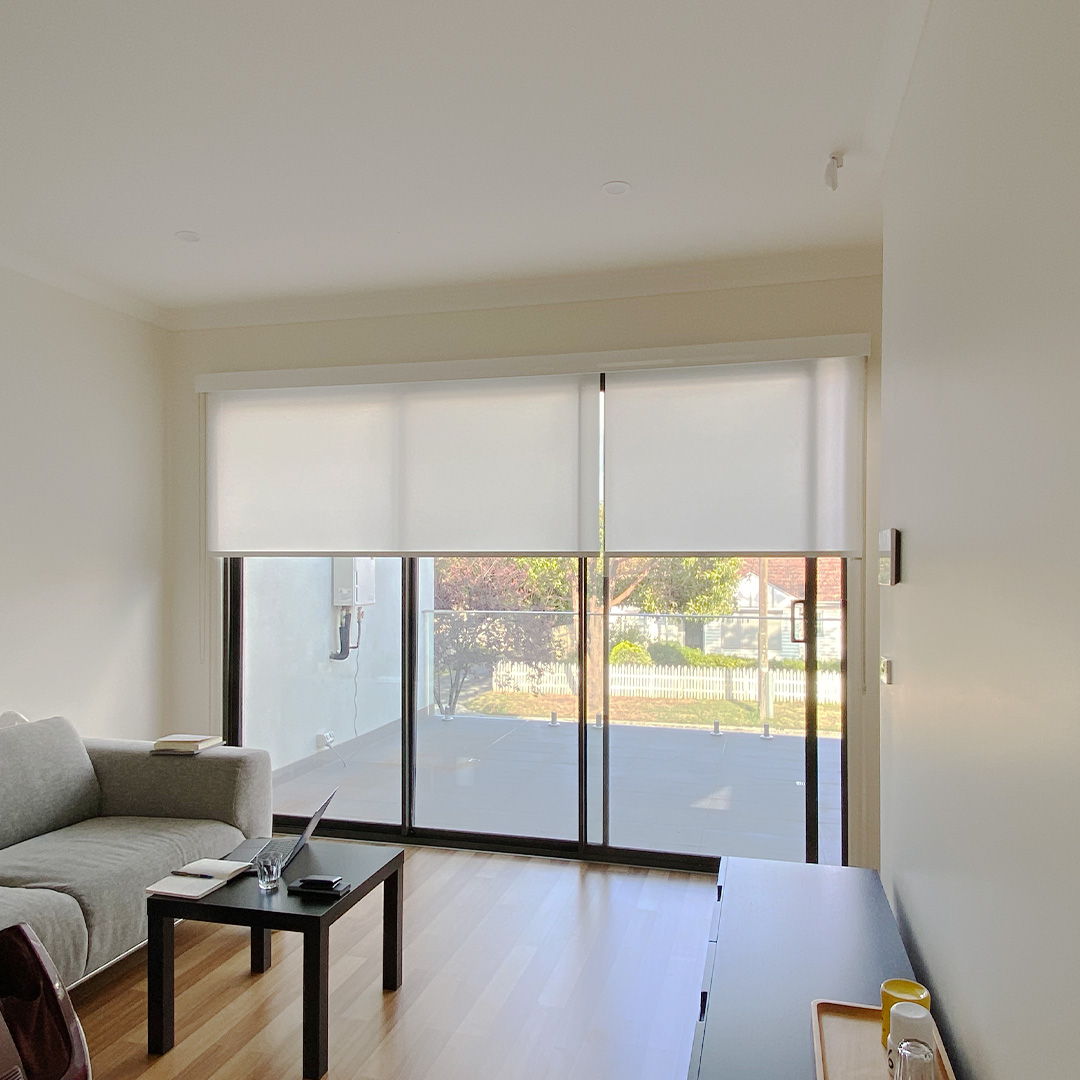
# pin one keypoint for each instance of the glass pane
(322, 682)
(594, 704)
(707, 706)
(497, 697)
(830, 637)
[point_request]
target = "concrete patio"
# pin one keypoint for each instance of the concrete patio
(672, 789)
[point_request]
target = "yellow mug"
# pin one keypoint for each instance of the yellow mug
(894, 990)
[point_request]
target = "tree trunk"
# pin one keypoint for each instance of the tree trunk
(594, 689)
(763, 639)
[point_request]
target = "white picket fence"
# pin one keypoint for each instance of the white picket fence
(668, 681)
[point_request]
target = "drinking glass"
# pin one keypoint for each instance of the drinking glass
(915, 1061)
(268, 867)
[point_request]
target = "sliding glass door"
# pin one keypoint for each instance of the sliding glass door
(322, 682)
(720, 704)
(722, 678)
(497, 706)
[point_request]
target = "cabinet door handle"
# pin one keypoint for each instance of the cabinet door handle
(704, 1005)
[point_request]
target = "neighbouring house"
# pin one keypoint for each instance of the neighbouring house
(737, 633)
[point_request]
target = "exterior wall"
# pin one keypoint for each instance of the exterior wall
(804, 309)
(292, 689)
(81, 492)
(980, 380)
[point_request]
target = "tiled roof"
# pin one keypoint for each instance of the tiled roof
(788, 574)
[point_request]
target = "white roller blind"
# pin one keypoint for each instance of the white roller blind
(736, 458)
(472, 466)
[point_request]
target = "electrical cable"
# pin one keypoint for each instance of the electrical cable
(356, 672)
(355, 689)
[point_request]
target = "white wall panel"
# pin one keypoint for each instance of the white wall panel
(81, 512)
(981, 453)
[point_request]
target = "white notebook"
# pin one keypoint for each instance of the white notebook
(185, 888)
(214, 868)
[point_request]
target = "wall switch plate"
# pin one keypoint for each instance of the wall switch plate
(886, 671)
(889, 557)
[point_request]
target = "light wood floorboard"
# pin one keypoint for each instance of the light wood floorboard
(516, 968)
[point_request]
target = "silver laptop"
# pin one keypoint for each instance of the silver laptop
(288, 846)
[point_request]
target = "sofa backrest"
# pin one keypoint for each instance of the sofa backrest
(46, 780)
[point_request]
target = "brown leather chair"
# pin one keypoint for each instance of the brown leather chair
(40, 1035)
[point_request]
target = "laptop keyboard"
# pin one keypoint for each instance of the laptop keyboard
(279, 847)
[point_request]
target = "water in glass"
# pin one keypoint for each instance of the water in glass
(268, 867)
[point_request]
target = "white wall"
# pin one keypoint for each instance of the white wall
(81, 511)
(981, 448)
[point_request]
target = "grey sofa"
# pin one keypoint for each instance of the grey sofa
(86, 825)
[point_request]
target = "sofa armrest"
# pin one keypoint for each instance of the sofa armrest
(224, 783)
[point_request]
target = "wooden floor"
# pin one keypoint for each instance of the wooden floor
(515, 968)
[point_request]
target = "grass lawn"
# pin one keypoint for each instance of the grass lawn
(659, 712)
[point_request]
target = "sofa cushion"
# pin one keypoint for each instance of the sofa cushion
(56, 918)
(106, 863)
(46, 779)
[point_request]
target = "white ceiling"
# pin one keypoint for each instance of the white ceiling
(323, 148)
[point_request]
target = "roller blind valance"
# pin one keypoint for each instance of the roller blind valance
(739, 458)
(470, 466)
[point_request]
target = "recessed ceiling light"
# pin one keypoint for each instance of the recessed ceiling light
(188, 236)
(615, 187)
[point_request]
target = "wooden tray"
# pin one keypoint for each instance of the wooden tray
(847, 1043)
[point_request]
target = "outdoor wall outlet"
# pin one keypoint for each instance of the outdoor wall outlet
(323, 739)
(886, 671)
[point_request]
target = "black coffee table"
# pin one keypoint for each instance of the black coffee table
(243, 903)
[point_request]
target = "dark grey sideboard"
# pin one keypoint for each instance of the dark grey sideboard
(782, 935)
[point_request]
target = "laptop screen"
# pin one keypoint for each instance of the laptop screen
(305, 836)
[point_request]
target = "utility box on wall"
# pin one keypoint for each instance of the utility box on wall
(353, 582)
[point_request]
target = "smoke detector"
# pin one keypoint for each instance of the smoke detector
(836, 161)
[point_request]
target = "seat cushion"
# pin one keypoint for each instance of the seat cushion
(106, 863)
(46, 779)
(56, 918)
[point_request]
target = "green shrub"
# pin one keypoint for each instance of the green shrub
(697, 658)
(790, 663)
(629, 652)
(628, 630)
(668, 652)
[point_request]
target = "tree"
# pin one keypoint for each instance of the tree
(491, 608)
(689, 585)
(481, 605)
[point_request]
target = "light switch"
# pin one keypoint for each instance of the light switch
(886, 671)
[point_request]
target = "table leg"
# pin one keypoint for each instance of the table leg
(160, 986)
(316, 1001)
(393, 899)
(260, 950)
